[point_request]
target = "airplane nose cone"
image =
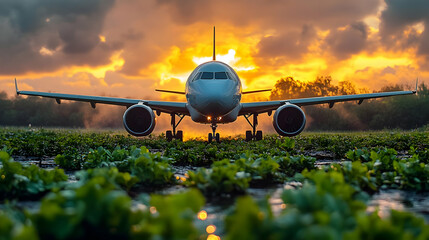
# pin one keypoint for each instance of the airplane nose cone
(216, 97)
(217, 106)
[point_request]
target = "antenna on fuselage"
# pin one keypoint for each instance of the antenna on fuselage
(214, 43)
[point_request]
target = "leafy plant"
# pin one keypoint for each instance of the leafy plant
(111, 177)
(95, 210)
(223, 177)
(13, 227)
(171, 217)
(295, 164)
(151, 169)
(17, 181)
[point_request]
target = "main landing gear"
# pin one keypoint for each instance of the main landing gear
(214, 136)
(173, 134)
(255, 135)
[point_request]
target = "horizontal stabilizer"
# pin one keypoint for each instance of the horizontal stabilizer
(168, 91)
(256, 91)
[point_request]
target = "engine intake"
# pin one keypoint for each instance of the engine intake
(289, 120)
(139, 120)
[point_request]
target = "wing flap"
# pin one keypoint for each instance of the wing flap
(167, 107)
(83, 98)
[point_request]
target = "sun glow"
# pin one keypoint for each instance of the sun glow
(229, 58)
(202, 215)
(116, 63)
(102, 38)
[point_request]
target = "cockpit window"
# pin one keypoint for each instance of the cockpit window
(207, 75)
(216, 75)
(221, 75)
(197, 76)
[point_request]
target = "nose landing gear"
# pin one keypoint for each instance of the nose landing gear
(214, 136)
(253, 135)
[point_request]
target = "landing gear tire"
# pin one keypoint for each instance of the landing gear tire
(258, 136)
(210, 137)
(253, 135)
(217, 138)
(179, 135)
(249, 136)
(169, 136)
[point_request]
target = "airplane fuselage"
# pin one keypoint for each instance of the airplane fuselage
(213, 93)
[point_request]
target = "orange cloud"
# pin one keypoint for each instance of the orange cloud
(132, 47)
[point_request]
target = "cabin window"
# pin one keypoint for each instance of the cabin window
(221, 75)
(207, 75)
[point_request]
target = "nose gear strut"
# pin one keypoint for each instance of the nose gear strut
(214, 135)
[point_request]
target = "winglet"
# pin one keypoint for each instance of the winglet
(16, 88)
(214, 43)
(417, 84)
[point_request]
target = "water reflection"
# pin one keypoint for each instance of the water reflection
(399, 200)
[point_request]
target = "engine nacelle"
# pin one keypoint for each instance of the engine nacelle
(139, 120)
(289, 120)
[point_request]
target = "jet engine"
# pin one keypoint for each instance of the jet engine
(289, 120)
(139, 120)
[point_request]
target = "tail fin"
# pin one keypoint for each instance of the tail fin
(214, 43)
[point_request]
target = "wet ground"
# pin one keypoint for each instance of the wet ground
(383, 201)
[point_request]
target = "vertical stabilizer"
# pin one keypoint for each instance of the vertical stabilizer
(214, 43)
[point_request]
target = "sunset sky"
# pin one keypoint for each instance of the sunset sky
(128, 48)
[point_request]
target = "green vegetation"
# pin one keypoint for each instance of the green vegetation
(329, 208)
(75, 143)
(225, 177)
(146, 168)
(17, 181)
(114, 197)
(97, 211)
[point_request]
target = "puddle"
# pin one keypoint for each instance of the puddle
(400, 200)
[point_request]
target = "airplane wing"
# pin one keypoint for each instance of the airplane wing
(261, 107)
(167, 107)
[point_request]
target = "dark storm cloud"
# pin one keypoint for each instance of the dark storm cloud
(401, 13)
(291, 44)
(189, 11)
(277, 13)
(348, 41)
(67, 29)
(399, 16)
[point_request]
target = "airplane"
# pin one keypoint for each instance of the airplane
(213, 96)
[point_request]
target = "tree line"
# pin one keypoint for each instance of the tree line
(402, 112)
(45, 112)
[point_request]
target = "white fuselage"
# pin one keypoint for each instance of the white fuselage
(213, 93)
